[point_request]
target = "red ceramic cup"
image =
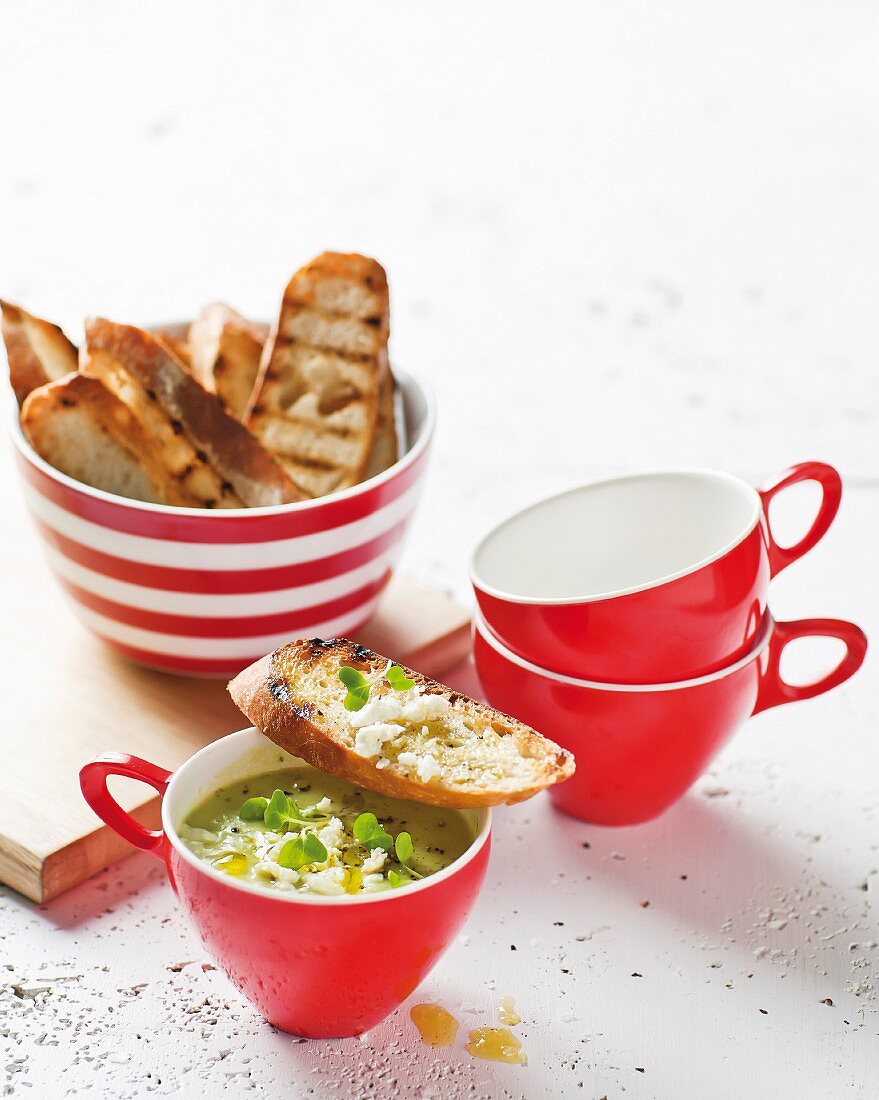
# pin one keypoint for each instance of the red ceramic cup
(640, 747)
(644, 579)
(322, 967)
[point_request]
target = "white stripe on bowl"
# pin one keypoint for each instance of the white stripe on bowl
(240, 556)
(218, 606)
(178, 645)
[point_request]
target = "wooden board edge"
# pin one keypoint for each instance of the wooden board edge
(91, 853)
(21, 871)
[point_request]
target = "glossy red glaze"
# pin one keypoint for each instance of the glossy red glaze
(639, 748)
(321, 967)
(669, 630)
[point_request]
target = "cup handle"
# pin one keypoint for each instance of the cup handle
(780, 557)
(93, 781)
(774, 691)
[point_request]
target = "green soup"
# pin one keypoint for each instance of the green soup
(300, 830)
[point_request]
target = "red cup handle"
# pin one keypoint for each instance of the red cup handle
(773, 689)
(780, 557)
(93, 781)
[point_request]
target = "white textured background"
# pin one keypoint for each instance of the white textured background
(618, 235)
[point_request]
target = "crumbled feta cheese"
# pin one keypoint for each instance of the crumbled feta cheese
(271, 870)
(425, 766)
(428, 768)
(369, 739)
(425, 708)
(381, 708)
(329, 881)
(374, 861)
(332, 835)
(383, 763)
(371, 881)
(322, 806)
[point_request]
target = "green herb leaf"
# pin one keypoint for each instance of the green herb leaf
(368, 831)
(277, 811)
(292, 855)
(365, 826)
(253, 809)
(282, 811)
(313, 848)
(403, 847)
(357, 685)
(397, 880)
(398, 679)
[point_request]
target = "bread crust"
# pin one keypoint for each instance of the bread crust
(315, 402)
(37, 351)
(285, 713)
(226, 350)
(384, 445)
(105, 415)
(246, 471)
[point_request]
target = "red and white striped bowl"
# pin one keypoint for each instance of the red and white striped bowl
(206, 593)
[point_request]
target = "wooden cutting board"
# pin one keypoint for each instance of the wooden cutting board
(66, 698)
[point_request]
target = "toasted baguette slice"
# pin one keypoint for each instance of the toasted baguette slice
(477, 756)
(216, 461)
(384, 445)
(226, 350)
(84, 431)
(38, 352)
(180, 348)
(316, 400)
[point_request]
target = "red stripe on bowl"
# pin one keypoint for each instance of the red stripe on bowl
(217, 668)
(216, 581)
(195, 626)
(221, 526)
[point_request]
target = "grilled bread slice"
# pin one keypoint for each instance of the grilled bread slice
(38, 352)
(315, 403)
(384, 445)
(428, 743)
(225, 350)
(216, 461)
(86, 432)
(180, 348)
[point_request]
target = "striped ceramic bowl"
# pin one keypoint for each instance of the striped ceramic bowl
(206, 593)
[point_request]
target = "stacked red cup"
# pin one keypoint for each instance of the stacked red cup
(627, 620)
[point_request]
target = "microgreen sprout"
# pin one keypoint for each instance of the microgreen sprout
(279, 812)
(302, 850)
(397, 880)
(370, 834)
(404, 848)
(254, 809)
(398, 679)
(357, 685)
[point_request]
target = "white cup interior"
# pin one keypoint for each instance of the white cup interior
(614, 537)
(249, 753)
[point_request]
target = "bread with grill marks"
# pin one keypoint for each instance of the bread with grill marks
(36, 350)
(459, 752)
(78, 426)
(315, 404)
(225, 350)
(216, 462)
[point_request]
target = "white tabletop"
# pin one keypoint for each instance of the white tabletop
(618, 237)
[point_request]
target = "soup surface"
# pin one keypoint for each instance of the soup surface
(304, 831)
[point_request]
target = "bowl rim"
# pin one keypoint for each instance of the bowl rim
(483, 587)
(404, 380)
(388, 896)
(764, 635)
